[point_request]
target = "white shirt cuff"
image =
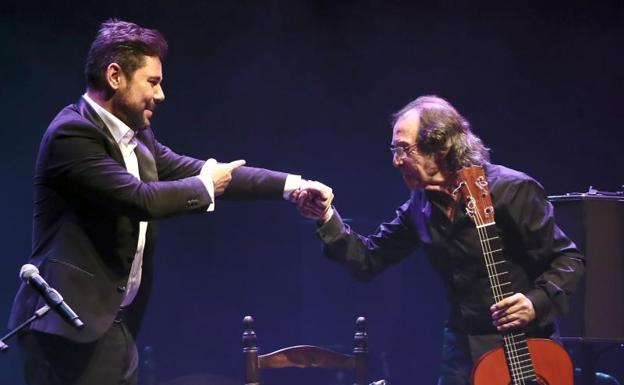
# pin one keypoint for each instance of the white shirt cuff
(293, 182)
(205, 176)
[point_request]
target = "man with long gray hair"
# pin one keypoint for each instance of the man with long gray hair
(431, 142)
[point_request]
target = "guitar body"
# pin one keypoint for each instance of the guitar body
(552, 364)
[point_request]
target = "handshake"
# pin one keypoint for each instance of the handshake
(313, 200)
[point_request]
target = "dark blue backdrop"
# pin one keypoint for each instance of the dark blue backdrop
(308, 87)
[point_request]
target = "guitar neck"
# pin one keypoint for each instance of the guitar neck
(516, 347)
(495, 262)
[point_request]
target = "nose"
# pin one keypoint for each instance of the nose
(159, 95)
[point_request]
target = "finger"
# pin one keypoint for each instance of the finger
(505, 303)
(297, 196)
(506, 318)
(294, 196)
(319, 203)
(236, 164)
(313, 209)
(513, 309)
(308, 214)
(510, 321)
(320, 189)
(315, 214)
(313, 193)
(509, 325)
(325, 193)
(315, 204)
(303, 199)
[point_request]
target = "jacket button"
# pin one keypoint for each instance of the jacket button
(121, 288)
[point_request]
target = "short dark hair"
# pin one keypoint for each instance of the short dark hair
(123, 43)
(442, 128)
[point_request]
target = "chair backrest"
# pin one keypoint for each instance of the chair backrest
(305, 356)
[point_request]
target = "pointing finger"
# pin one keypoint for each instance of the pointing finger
(236, 164)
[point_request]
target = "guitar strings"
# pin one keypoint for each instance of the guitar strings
(495, 285)
(494, 278)
(516, 367)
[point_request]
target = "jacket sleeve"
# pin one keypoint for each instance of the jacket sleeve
(247, 183)
(366, 256)
(76, 157)
(172, 166)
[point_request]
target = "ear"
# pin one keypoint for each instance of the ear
(115, 76)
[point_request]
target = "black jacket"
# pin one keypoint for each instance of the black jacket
(87, 210)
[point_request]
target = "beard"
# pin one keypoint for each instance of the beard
(132, 114)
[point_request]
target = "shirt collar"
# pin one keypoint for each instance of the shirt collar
(120, 131)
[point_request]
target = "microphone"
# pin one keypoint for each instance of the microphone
(30, 274)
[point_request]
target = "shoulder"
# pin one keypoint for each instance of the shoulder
(501, 177)
(69, 133)
(507, 185)
(69, 119)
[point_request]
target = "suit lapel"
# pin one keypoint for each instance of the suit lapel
(88, 113)
(147, 164)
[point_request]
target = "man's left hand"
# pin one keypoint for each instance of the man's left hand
(513, 312)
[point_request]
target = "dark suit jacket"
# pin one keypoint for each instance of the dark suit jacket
(87, 210)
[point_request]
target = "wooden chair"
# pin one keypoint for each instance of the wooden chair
(305, 356)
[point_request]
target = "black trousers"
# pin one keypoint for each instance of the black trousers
(460, 352)
(53, 360)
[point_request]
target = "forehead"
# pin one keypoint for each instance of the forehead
(405, 129)
(152, 67)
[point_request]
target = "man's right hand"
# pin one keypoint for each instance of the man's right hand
(222, 175)
(314, 201)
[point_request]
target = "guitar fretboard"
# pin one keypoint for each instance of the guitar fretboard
(515, 343)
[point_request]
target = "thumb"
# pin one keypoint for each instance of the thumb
(236, 164)
(322, 190)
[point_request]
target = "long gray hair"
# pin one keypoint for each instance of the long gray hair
(442, 129)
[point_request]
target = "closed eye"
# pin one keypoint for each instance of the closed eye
(154, 81)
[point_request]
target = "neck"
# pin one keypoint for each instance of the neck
(102, 98)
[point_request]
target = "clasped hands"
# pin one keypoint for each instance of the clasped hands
(313, 200)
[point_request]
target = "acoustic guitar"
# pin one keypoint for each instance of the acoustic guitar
(521, 360)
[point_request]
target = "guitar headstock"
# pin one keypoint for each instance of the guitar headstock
(473, 185)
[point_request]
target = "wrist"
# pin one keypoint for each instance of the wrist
(326, 216)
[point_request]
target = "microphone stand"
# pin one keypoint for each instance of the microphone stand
(38, 314)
